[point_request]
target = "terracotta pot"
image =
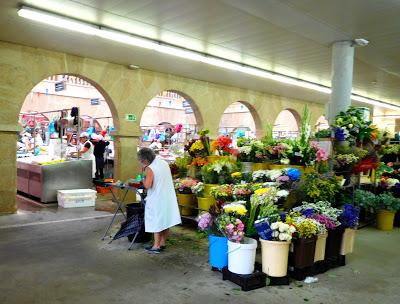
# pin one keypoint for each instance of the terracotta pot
(348, 241)
(320, 247)
(385, 220)
(304, 252)
(187, 203)
(275, 256)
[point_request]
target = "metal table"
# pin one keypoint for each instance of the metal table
(121, 202)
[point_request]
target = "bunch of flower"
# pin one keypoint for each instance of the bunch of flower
(282, 231)
(182, 164)
(387, 182)
(242, 192)
(329, 223)
(231, 226)
(352, 126)
(278, 151)
(245, 154)
(204, 221)
(185, 185)
(266, 175)
(321, 188)
(258, 152)
(349, 216)
(305, 227)
(344, 160)
(222, 193)
(222, 145)
(199, 161)
(237, 208)
(236, 177)
(322, 212)
(205, 140)
(218, 172)
(198, 189)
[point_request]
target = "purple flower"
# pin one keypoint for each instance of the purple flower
(283, 179)
(349, 216)
(204, 221)
(307, 212)
(325, 220)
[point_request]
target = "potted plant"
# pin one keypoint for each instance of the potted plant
(245, 154)
(386, 206)
(203, 203)
(222, 148)
(259, 155)
(242, 192)
(320, 187)
(185, 196)
(241, 250)
(222, 193)
(389, 153)
(349, 221)
(275, 238)
(218, 172)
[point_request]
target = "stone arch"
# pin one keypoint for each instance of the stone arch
(292, 126)
(196, 112)
(321, 123)
(254, 115)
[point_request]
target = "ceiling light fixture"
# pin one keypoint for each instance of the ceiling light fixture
(121, 37)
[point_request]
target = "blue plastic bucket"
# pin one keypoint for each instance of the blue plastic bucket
(218, 250)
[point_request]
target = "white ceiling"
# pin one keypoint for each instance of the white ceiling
(292, 37)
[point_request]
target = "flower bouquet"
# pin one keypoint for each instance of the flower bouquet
(185, 185)
(242, 192)
(218, 172)
(223, 193)
(222, 145)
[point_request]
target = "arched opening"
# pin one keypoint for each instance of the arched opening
(54, 115)
(322, 123)
(240, 119)
(287, 124)
(168, 121)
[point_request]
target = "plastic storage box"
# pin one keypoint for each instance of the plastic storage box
(76, 198)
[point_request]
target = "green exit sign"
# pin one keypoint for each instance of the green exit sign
(130, 117)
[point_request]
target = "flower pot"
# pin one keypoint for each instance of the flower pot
(320, 247)
(204, 203)
(304, 252)
(242, 256)
(385, 220)
(275, 256)
(218, 251)
(333, 242)
(348, 241)
(247, 167)
(261, 166)
(187, 203)
(208, 188)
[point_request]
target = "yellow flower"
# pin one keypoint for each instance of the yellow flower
(261, 191)
(197, 145)
(236, 174)
(235, 208)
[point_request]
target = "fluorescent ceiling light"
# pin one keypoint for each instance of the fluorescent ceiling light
(58, 21)
(118, 36)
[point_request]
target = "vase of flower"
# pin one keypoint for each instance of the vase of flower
(303, 252)
(187, 203)
(208, 188)
(320, 247)
(385, 220)
(275, 256)
(347, 241)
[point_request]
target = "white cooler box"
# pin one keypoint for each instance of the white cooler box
(76, 198)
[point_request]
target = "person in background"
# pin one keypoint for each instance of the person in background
(161, 210)
(99, 148)
(37, 139)
(86, 152)
(156, 145)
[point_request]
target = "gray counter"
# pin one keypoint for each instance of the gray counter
(43, 181)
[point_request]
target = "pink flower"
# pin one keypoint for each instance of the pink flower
(321, 155)
(229, 228)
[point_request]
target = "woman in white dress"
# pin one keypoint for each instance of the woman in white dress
(161, 210)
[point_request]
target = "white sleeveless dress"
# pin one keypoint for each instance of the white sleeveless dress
(161, 211)
(90, 156)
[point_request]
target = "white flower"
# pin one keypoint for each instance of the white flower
(283, 227)
(274, 226)
(285, 161)
(217, 167)
(283, 237)
(245, 150)
(289, 238)
(275, 234)
(282, 193)
(292, 229)
(273, 174)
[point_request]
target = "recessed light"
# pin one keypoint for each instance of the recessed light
(133, 67)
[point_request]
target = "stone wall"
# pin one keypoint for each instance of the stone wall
(126, 91)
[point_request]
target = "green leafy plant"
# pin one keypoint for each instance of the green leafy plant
(182, 164)
(320, 188)
(388, 202)
(325, 133)
(219, 172)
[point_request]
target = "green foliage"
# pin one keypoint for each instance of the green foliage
(306, 229)
(369, 200)
(365, 199)
(218, 172)
(305, 127)
(325, 133)
(182, 164)
(268, 138)
(320, 188)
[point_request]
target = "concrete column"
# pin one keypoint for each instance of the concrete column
(342, 78)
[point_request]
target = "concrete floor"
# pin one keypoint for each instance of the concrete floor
(56, 256)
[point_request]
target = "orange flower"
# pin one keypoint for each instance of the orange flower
(199, 161)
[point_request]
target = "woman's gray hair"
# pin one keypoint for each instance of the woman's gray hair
(146, 154)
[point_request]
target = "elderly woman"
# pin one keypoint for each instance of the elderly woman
(161, 211)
